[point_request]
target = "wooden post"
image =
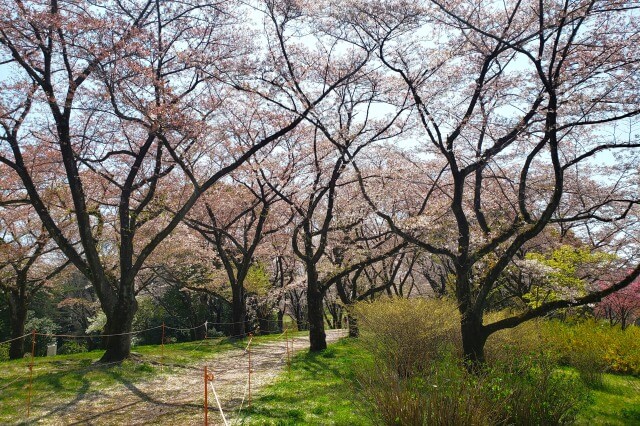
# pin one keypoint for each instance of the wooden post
(206, 397)
(33, 352)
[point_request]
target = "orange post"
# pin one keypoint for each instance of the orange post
(249, 350)
(33, 352)
(206, 397)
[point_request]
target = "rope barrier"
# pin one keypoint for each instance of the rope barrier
(74, 336)
(71, 336)
(244, 395)
(187, 329)
(15, 338)
(215, 394)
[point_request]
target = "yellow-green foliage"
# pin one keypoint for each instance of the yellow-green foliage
(416, 375)
(408, 333)
(524, 339)
(566, 264)
(257, 280)
(591, 345)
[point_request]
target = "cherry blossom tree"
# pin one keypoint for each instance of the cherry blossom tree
(236, 225)
(132, 101)
(522, 106)
(622, 307)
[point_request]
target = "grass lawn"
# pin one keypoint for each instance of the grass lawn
(617, 403)
(318, 390)
(65, 377)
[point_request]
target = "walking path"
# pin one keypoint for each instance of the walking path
(177, 398)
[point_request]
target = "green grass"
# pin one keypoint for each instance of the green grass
(318, 390)
(617, 403)
(65, 377)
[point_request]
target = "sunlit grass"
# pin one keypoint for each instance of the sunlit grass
(616, 403)
(318, 390)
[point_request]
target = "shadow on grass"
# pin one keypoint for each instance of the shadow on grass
(320, 389)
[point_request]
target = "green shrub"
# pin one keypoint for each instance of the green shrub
(594, 348)
(4, 352)
(527, 391)
(42, 326)
(72, 347)
(537, 392)
(406, 334)
(416, 375)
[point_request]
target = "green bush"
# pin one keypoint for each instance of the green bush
(72, 347)
(416, 375)
(42, 326)
(4, 352)
(527, 391)
(594, 348)
(406, 334)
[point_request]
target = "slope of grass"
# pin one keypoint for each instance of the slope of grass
(616, 403)
(67, 377)
(318, 390)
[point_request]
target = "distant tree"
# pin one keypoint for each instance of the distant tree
(29, 260)
(234, 219)
(622, 307)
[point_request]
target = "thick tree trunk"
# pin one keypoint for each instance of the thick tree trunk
(473, 340)
(315, 308)
(118, 330)
(238, 311)
(18, 317)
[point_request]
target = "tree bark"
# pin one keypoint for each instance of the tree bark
(280, 320)
(474, 338)
(315, 308)
(238, 311)
(118, 329)
(18, 316)
(352, 322)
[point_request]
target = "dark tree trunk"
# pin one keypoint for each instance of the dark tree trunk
(352, 322)
(118, 330)
(18, 315)
(280, 320)
(315, 308)
(238, 311)
(474, 338)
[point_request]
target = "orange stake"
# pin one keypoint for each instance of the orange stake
(249, 350)
(206, 398)
(33, 352)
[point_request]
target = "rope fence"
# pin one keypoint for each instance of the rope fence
(243, 383)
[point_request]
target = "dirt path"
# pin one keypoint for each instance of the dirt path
(177, 398)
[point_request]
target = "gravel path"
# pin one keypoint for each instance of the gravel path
(177, 398)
